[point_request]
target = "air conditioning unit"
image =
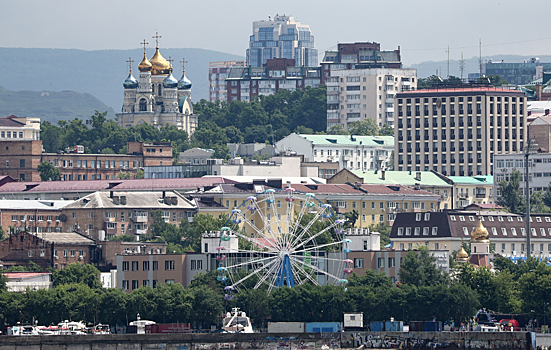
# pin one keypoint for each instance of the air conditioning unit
(56, 257)
(503, 170)
(80, 257)
(48, 220)
(57, 221)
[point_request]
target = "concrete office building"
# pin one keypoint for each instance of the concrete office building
(457, 130)
(218, 72)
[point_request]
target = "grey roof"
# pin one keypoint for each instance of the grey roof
(65, 238)
(145, 200)
(33, 204)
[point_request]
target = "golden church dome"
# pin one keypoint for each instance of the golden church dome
(145, 65)
(480, 234)
(462, 256)
(160, 65)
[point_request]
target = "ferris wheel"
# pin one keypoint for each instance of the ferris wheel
(287, 238)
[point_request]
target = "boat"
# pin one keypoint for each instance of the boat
(23, 330)
(71, 328)
(237, 322)
(140, 324)
(100, 329)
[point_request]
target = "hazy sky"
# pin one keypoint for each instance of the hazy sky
(423, 29)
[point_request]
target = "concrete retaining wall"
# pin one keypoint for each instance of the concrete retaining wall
(404, 340)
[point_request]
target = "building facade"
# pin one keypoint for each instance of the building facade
(20, 160)
(447, 230)
(103, 215)
(472, 190)
(36, 216)
(243, 84)
(19, 128)
(281, 37)
(519, 73)
(362, 82)
(57, 249)
(456, 131)
(351, 152)
(539, 170)
(157, 98)
(218, 72)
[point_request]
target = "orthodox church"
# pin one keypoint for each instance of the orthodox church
(157, 98)
(480, 248)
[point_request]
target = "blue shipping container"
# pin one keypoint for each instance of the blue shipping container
(394, 326)
(433, 326)
(322, 327)
(377, 326)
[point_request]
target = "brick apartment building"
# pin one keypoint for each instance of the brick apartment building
(103, 215)
(20, 160)
(36, 216)
(135, 271)
(56, 249)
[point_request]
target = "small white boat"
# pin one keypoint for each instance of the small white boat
(237, 322)
(140, 324)
(23, 330)
(100, 329)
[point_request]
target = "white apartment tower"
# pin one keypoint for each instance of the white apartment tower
(281, 37)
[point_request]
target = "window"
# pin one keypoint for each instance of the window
(452, 217)
(465, 231)
(417, 231)
(146, 265)
(418, 217)
(427, 216)
(380, 262)
(358, 263)
(135, 284)
(461, 218)
(494, 231)
(125, 265)
(434, 231)
(125, 284)
(169, 265)
(134, 266)
(400, 231)
(408, 231)
(170, 281)
(504, 231)
(155, 267)
(425, 231)
(391, 262)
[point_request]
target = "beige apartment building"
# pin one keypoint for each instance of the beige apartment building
(457, 130)
(357, 94)
(19, 128)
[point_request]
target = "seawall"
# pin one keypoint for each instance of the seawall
(199, 341)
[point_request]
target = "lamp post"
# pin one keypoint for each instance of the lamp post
(530, 148)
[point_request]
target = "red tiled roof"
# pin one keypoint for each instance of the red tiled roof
(120, 185)
(461, 89)
(24, 274)
(325, 188)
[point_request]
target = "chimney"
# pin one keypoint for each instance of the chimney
(383, 174)
(418, 175)
(547, 111)
(539, 89)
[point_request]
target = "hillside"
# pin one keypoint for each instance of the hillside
(99, 72)
(428, 68)
(49, 105)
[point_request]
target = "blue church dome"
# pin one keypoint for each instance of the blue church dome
(184, 83)
(130, 82)
(170, 82)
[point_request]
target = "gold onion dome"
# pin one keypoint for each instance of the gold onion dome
(462, 256)
(145, 65)
(160, 65)
(480, 234)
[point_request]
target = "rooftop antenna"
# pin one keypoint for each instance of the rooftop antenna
(448, 51)
(480, 57)
(462, 66)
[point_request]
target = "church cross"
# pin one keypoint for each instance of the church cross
(183, 62)
(130, 61)
(144, 43)
(170, 60)
(157, 37)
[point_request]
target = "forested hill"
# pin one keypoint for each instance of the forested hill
(99, 72)
(50, 105)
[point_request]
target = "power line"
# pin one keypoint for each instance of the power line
(475, 46)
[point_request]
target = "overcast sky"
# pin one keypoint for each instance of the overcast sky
(423, 29)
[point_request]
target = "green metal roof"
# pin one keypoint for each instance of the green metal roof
(474, 180)
(407, 178)
(350, 140)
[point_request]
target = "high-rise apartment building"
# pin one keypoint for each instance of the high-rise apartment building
(362, 82)
(281, 37)
(457, 130)
(218, 72)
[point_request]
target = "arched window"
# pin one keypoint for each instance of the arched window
(143, 105)
(159, 90)
(153, 89)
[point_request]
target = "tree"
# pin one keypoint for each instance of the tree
(419, 268)
(337, 129)
(497, 80)
(3, 281)
(139, 174)
(384, 230)
(351, 218)
(386, 130)
(48, 172)
(123, 175)
(510, 193)
(76, 273)
(366, 127)
(1, 233)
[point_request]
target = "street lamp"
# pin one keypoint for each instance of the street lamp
(530, 148)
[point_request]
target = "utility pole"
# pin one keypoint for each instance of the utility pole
(448, 51)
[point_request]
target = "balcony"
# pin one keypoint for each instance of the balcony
(139, 218)
(109, 219)
(141, 232)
